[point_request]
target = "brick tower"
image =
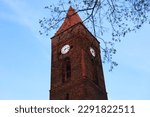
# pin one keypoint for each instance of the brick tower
(76, 71)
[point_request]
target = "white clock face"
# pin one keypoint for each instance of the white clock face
(65, 49)
(92, 51)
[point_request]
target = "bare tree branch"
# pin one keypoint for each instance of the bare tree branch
(107, 17)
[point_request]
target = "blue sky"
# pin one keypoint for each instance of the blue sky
(25, 56)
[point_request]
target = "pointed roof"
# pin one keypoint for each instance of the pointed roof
(71, 19)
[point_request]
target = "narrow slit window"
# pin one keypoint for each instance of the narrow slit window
(63, 73)
(67, 96)
(66, 69)
(95, 75)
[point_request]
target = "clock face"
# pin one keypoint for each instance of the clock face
(65, 49)
(92, 51)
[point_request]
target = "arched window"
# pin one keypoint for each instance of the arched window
(66, 69)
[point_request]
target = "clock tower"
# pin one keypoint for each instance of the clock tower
(76, 69)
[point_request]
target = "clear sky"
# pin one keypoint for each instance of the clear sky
(25, 56)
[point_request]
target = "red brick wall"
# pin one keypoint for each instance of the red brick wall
(78, 87)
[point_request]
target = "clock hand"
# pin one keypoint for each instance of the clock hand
(66, 48)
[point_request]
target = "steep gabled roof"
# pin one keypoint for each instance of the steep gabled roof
(71, 19)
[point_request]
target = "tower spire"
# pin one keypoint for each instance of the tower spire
(71, 19)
